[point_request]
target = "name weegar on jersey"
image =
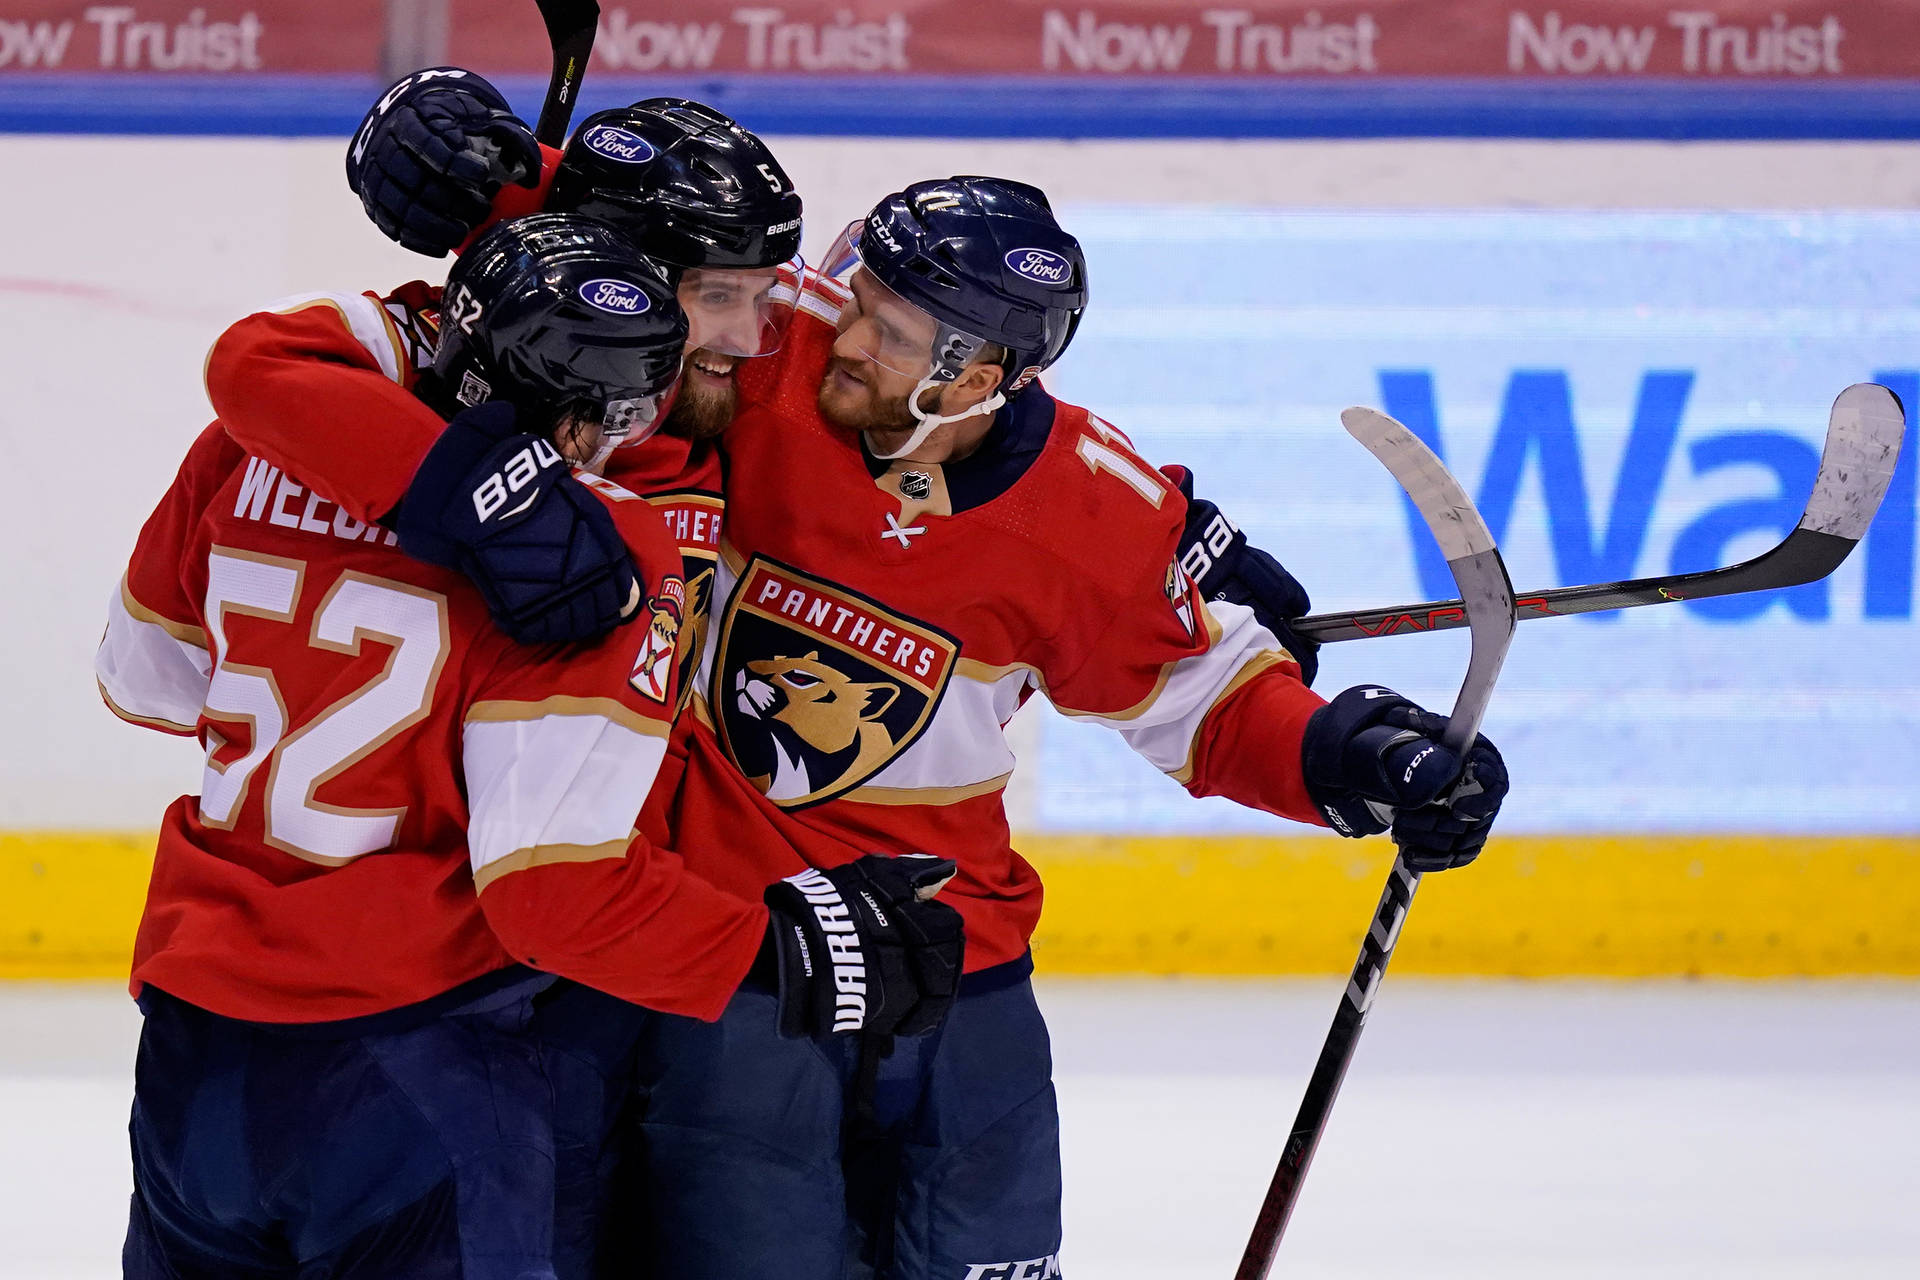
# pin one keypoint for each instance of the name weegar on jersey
(397, 800)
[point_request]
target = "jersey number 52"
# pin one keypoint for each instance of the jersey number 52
(357, 607)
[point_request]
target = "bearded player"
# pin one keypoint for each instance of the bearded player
(919, 538)
(697, 193)
(409, 823)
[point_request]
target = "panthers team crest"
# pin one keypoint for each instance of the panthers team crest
(818, 688)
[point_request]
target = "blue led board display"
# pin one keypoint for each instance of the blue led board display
(1624, 394)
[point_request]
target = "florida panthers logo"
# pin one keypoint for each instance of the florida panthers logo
(818, 688)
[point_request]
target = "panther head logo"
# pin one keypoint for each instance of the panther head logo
(817, 689)
(824, 724)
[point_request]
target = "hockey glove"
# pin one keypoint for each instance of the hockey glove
(431, 155)
(503, 508)
(1373, 762)
(863, 947)
(1225, 566)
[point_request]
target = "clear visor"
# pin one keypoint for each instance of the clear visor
(886, 328)
(588, 444)
(738, 311)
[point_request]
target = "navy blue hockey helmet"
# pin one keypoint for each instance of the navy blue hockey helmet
(986, 259)
(689, 185)
(699, 192)
(562, 315)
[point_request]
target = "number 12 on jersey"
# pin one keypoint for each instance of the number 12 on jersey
(1113, 453)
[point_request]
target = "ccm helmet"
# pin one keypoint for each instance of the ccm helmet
(562, 315)
(987, 261)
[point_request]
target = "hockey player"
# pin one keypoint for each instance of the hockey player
(297, 390)
(405, 818)
(440, 154)
(919, 538)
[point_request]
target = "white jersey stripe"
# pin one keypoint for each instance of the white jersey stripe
(553, 788)
(366, 319)
(147, 673)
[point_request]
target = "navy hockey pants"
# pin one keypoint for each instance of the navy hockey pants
(424, 1153)
(587, 1042)
(760, 1161)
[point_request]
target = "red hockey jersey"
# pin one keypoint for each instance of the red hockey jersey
(873, 636)
(318, 387)
(397, 800)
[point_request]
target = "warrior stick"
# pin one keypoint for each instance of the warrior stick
(571, 26)
(1863, 443)
(1489, 611)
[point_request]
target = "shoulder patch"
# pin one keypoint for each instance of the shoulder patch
(653, 668)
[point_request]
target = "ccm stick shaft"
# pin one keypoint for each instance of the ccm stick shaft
(1489, 611)
(1856, 466)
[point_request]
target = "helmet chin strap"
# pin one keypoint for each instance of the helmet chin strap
(927, 423)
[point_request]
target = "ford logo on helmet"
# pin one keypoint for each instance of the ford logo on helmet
(1042, 266)
(621, 297)
(623, 146)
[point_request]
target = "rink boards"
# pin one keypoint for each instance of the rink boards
(1534, 906)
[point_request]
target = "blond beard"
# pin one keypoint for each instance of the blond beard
(887, 415)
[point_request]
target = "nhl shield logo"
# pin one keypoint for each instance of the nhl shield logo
(817, 688)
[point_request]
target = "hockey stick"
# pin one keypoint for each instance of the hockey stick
(1489, 611)
(571, 27)
(1863, 443)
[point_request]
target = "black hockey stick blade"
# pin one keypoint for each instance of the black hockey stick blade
(571, 27)
(1856, 466)
(1482, 579)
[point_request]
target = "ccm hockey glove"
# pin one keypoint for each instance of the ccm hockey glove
(1225, 566)
(431, 155)
(863, 947)
(1373, 762)
(503, 508)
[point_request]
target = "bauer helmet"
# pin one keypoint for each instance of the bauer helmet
(563, 317)
(986, 260)
(694, 190)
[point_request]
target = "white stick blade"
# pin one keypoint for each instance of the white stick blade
(1456, 526)
(1863, 444)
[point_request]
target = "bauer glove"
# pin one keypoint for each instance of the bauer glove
(1373, 762)
(503, 508)
(1225, 566)
(863, 947)
(431, 155)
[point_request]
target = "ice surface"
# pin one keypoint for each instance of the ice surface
(1488, 1130)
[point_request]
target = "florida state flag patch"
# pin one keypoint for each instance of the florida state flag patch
(654, 668)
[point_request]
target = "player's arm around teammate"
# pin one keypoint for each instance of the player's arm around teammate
(438, 157)
(399, 803)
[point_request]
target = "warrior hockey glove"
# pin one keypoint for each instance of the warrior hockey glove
(504, 509)
(1373, 762)
(1225, 566)
(863, 947)
(431, 155)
